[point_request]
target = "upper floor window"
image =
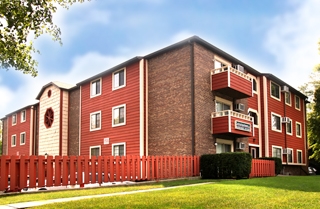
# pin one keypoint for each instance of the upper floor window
(119, 79)
(254, 115)
(95, 88)
(297, 102)
(95, 121)
(218, 64)
(14, 119)
(13, 140)
(287, 98)
(254, 85)
(23, 116)
(298, 129)
(119, 115)
(289, 127)
(95, 151)
(119, 149)
(276, 122)
(275, 90)
(22, 138)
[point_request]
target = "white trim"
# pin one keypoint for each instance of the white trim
(255, 152)
(117, 144)
(125, 116)
(14, 135)
(95, 95)
(94, 113)
(279, 99)
(273, 129)
(92, 147)
(124, 79)
(13, 124)
(295, 102)
(258, 116)
(299, 136)
(254, 145)
(25, 138)
(25, 116)
(304, 130)
(287, 128)
(80, 112)
(259, 121)
(298, 150)
(147, 109)
(31, 131)
(292, 156)
(254, 79)
(141, 81)
(285, 99)
(279, 147)
(266, 116)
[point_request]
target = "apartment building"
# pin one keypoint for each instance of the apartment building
(190, 98)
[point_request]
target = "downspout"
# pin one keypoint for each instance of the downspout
(285, 127)
(192, 98)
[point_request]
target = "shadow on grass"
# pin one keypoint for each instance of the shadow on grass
(298, 183)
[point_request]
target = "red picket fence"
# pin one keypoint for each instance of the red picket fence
(262, 168)
(18, 172)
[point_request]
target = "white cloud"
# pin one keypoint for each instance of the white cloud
(292, 40)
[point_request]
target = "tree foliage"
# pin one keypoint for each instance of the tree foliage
(18, 20)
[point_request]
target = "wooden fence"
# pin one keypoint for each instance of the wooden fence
(262, 168)
(18, 172)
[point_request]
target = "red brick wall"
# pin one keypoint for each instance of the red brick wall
(73, 126)
(4, 136)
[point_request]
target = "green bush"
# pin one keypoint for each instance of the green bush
(277, 161)
(225, 165)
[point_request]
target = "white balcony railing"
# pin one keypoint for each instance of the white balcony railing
(232, 70)
(231, 113)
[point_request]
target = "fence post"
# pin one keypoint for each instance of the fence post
(57, 167)
(23, 172)
(4, 172)
(50, 173)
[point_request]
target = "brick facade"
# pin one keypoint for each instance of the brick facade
(5, 136)
(74, 108)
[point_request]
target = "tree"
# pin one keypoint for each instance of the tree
(18, 20)
(314, 127)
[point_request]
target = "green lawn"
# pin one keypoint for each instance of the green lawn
(273, 192)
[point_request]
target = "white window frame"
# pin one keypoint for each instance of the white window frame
(91, 88)
(253, 154)
(25, 137)
(15, 140)
(23, 112)
(119, 144)
(15, 119)
(254, 91)
(124, 121)
(279, 99)
(256, 112)
(290, 129)
(291, 156)
(93, 147)
(300, 136)
(295, 103)
(114, 80)
(273, 129)
(277, 147)
(299, 151)
(94, 113)
(285, 98)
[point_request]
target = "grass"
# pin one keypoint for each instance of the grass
(273, 192)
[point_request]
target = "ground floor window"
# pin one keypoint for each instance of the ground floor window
(276, 152)
(289, 155)
(224, 145)
(119, 149)
(299, 154)
(95, 151)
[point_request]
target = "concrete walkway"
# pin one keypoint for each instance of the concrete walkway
(44, 202)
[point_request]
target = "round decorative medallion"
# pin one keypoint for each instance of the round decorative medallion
(49, 93)
(48, 117)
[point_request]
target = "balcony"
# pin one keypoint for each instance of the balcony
(231, 82)
(231, 123)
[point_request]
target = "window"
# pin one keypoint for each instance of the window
(22, 138)
(13, 140)
(299, 156)
(222, 105)
(275, 91)
(297, 102)
(119, 79)
(119, 115)
(14, 119)
(95, 88)
(276, 152)
(253, 151)
(254, 115)
(276, 122)
(224, 145)
(287, 98)
(254, 85)
(298, 129)
(95, 151)
(119, 149)
(48, 117)
(290, 155)
(95, 121)
(289, 127)
(23, 116)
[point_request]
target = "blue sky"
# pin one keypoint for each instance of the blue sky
(278, 37)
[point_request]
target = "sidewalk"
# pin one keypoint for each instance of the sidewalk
(44, 202)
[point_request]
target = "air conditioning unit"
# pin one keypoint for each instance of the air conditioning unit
(240, 145)
(286, 151)
(239, 107)
(285, 89)
(285, 120)
(240, 68)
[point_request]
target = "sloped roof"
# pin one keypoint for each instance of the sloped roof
(58, 84)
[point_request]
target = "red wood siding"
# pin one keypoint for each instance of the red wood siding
(253, 104)
(17, 129)
(220, 125)
(219, 80)
(241, 84)
(108, 99)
